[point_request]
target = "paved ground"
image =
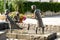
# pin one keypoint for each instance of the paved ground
(47, 20)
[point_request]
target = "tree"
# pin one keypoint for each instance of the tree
(13, 6)
(19, 5)
(1, 6)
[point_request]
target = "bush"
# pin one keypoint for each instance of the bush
(1, 6)
(26, 6)
(43, 6)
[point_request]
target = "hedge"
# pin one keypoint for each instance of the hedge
(43, 6)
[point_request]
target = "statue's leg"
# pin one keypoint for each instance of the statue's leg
(42, 30)
(28, 26)
(36, 29)
(40, 25)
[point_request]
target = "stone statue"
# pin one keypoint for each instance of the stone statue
(37, 14)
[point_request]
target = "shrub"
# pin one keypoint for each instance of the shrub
(43, 6)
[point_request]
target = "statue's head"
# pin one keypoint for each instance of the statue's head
(7, 12)
(33, 7)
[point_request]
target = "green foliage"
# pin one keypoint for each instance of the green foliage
(43, 6)
(27, 6)
(23, 7)
(1, 6)
(20, 6)
(11, 8)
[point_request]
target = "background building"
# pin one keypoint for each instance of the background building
(45, 0)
